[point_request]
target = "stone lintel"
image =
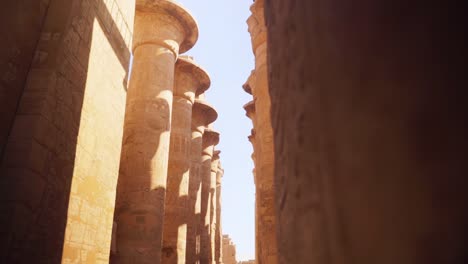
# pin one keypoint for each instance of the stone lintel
(190, 78)
(156, 33)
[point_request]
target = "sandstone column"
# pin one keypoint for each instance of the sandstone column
(210, 139)
(213, 204)
(264, 141)
(219, 231)
(162, 30)
(189, 79)
(250, 112)
(202, 115)
(369, 109)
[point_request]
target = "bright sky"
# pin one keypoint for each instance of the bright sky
(224, 50)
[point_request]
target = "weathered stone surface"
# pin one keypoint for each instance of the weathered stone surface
(202, 115)
(189, 80)
(218, 229)
(229, 251)
(213, 203)
(262, 140)
(60, 166)
(210, 139)
(161, 29)
(22, 23)
(369, 119)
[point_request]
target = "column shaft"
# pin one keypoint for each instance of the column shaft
(190, 78)
(204, 227)
(219, 232)
(160, 29)
(176, 214)
(264, 148)
(213, 205)
(193, 237)
(202, 115)
(143, 168)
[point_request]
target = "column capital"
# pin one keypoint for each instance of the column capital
(256, 25)
(250, 109)
(252, 136)
(165, 23)
(210, 137)
(216, 156)
(249, 85)
(203, 114)
(190, 78)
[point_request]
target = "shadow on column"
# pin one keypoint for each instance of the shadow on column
(137, 201)
(193, 234)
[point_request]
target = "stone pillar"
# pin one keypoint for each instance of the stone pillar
(213, 204)
(162, 30)
(210, 139)
(264, 147)
(250, 112)
(219, 231)
(369, 111)
(202, 115)
(189, 79)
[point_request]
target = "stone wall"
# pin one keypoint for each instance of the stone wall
(60, 166)
(369, 119)
(22, 22)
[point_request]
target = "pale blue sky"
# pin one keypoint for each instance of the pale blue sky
(224, 50)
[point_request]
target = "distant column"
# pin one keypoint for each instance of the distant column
(210, 139)
(219, 231)
(214, 205)
(189, 79)
(162, 30)
(202, 115)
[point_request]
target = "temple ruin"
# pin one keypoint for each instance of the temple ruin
(359, 133)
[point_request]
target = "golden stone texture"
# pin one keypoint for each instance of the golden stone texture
(203, 115)
(161, 29)
(91, 173)
(189, 80)
(229, 251)
(262, 140)
(210, 139)
(59, 167)
(218, 227)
